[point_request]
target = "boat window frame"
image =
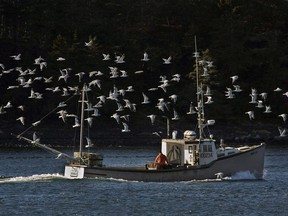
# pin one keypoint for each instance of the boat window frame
(206, 148)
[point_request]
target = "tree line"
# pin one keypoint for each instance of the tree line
(244, 37)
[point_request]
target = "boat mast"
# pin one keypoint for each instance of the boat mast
(199, 93)
(82, 120)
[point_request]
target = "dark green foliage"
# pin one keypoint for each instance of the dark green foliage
(247, 37)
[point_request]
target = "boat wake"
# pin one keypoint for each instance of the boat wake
(33, 178)
(244, 175)
(239, 176)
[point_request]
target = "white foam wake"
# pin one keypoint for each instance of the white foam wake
(41, 177)
(243, 175)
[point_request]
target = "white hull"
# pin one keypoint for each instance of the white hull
(249, 161)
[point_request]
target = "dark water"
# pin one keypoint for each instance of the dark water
(37, 187)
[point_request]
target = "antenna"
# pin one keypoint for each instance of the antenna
(199, 93)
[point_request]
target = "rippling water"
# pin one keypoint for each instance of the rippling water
(36, 186)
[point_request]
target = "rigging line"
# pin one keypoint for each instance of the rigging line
(76, 131)
(45, 116)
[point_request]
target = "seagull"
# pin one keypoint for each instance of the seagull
(64, 75)
(205, 72)
(229, 93)
(16, 57)
(8, 105)
(89, 120)
(2, 111)
(125, 117)
(38, 60)
(163, 86)
(260, 104)
(95, 82)
(36, 123)
(176, 77)
(7, 71)
(80, 75)
(89, 44)
(113, 96)
(2, 66)
(71, 115)
(196, 55)
(21, 107)
(62, 114)
(120, 59)
(48, 80)
(145, 99)
(42, 65)
(277, 89)
(123, 73)
(139, 72)
(159, 134)
(237, 88)
(122, 92)
(152, 118)
(76, 124)
(209, 64)
(92, 73)
(145, 57)
(191, 109)
(283, 116)
(267, 109)
(208, 91)
(89, 143)
(161, 106)
(234, 78)
(102, 98)
(209, 100)
(219, 175)
(21, 119)
(96, 113)
(56, 89)
(263, 95)
(167, 61)
(89, 107)
(62, 104)
(114, 72)
(282, 132)
(253, 91)
(65, 92)
(163, 79)
(59, 156)
(126, 128)
(253, 98)
(12, 87)
(285, 94)
(173, 97)
(60, 59)
(250, 114)
(106, 57)
(120, 107)
(152, 89)
(116, 117)
(130, 89)
(35, 138)
(176, 116)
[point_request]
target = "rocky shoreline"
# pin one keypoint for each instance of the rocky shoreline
(241, 134)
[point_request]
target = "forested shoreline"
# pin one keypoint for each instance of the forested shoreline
(246, 37)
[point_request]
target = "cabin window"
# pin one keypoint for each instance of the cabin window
(204, 148)
(190, 149)
(207, 148)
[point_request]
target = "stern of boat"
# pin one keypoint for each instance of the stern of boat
(74, 172)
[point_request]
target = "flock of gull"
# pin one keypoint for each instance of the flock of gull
(26, 78)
